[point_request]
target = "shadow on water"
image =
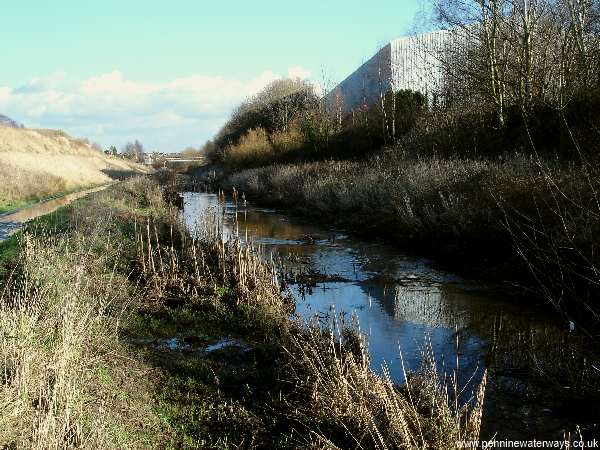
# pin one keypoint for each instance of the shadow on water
(404, 303)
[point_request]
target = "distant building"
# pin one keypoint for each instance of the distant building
(411, 63)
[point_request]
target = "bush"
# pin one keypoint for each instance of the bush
(252, 149)
(287, 141)
(273, 109)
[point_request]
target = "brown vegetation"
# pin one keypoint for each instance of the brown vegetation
(497, 170)
(467, 211)
(84, 286)
(39, 163)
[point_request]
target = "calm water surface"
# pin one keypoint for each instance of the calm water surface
(401, 303)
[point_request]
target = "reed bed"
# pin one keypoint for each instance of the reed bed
(370, 411)
(206, 268)
(409, 196)
(332, 380)
(517, 218)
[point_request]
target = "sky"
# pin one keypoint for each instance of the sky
(169, 73)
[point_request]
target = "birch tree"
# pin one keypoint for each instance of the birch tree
(522, 52)
(476, 54)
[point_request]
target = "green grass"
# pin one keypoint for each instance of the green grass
(6, 206)
(9, 252)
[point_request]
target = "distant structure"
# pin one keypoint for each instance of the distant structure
(413, 63)
(171, 159)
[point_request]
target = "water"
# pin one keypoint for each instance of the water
(175, 344)
(403, 304)
(12, 222)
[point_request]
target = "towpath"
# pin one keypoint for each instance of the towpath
(12, 221)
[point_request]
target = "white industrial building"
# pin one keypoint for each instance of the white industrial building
(413, 63)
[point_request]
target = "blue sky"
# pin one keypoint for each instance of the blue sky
(169, 73)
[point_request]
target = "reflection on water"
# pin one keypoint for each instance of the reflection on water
(12, 222)
(428, 305)
(400, 302)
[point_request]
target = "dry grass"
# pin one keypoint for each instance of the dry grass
(68, 382)
(60, 354)
(525, 219)
(199, 269)
(333, 370)
(252, 146)
(18, 184)
(287, 141)
(521, 218)
(258, 147)
(66, 379)
(332, 375)
(428, 197)
(334, 384)
(38, 163)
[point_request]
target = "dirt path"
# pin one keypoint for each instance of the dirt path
(12, 222)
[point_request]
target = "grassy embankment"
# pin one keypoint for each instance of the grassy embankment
(39, 164)
(108, 309)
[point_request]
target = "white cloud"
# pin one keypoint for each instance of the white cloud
(52, 81)
(298, 72)
(111, 109)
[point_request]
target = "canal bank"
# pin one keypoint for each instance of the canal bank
(120, 325)
(407, 306)
(11, 222)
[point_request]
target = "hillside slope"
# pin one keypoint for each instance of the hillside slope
(39, 163)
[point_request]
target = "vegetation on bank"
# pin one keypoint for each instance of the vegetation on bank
(120, 330)
(515, 216)
(498, 171)
(42, 195)
(31, 186)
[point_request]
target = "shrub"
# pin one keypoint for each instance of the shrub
(253, 148)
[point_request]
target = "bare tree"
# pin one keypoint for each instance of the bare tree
(475, 56)
(519, 52)
(134, 151)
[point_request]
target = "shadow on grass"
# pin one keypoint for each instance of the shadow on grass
(120, 175)
(216, 385)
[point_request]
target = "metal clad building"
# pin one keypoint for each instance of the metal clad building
(413, 63)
